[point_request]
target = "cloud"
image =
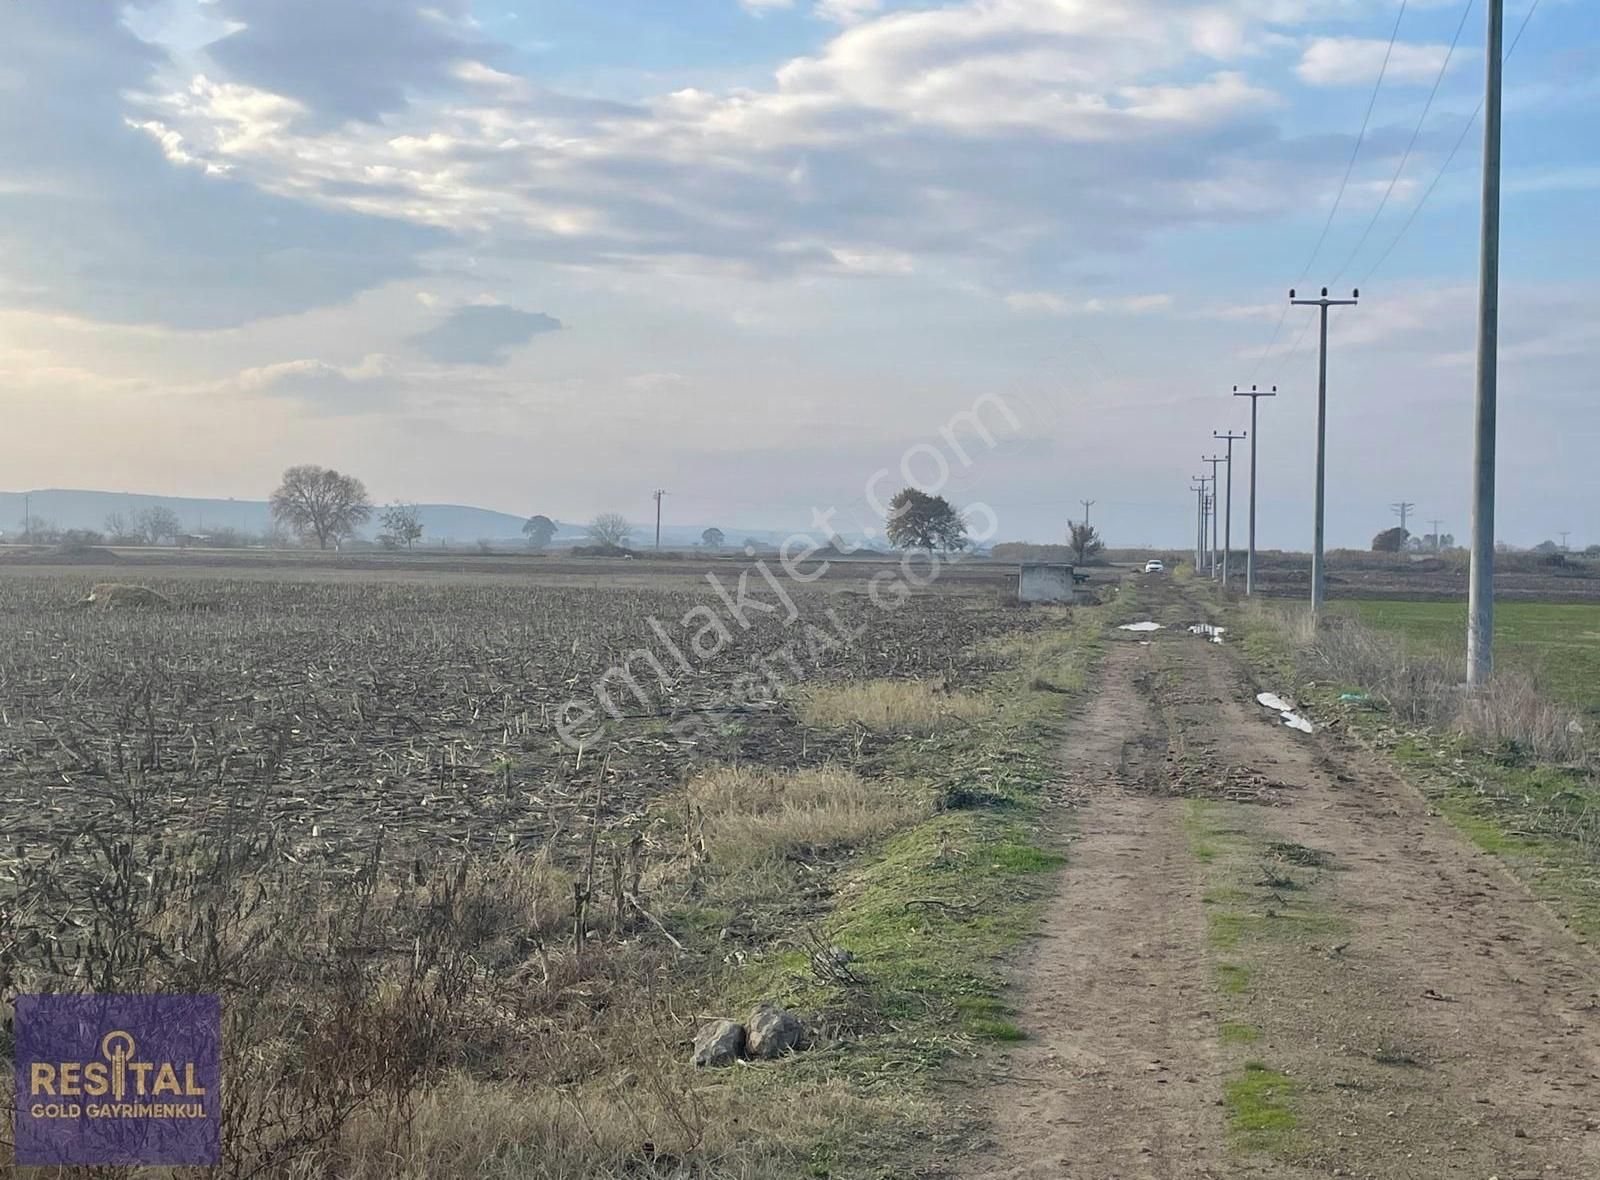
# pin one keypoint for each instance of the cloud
(370, 385)
(483, 334)
(998, 135)
(119, 216)
(1050, 303)
(846, 12)
(353, 59)
(1352, 61)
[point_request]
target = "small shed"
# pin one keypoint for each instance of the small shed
(1044, 581)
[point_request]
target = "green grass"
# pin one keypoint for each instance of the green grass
(1558, 643)
(1260, 1116)
(1236, 1032)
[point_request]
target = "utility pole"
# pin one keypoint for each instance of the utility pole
(1403, 511)
(1227, 528)
(1480, 587)
(1199, 489)
(1438, 537)
(1564, 534)
(657, 494)
(27, 518)
(1213, 460)
(1255, 395)
(1318, 575)
(1087, 504)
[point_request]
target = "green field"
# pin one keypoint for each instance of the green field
(1558, 643)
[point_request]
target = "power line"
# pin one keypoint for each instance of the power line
(1416, 132)
(1338, 199)
(1448, 160)
(1360, 139)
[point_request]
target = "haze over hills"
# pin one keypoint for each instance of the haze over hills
(71, 508)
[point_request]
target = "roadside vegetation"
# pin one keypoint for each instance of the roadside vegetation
(1516, 767)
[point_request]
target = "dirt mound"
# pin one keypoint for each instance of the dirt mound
(113, 595)
(73, 553)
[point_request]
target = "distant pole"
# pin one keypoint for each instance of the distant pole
(658, 493)
(1403, 511)
(1318, 576)
(1480, 588)
(1227, 528)
(27, 518)
(1087, 504)
(1255, 395)
(1199, 518)
(1438, 537)
(1213, 460)
(1564, 534)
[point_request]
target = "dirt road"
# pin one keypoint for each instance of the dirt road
(1267, 958)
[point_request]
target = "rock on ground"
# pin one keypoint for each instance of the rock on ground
(719, 1043)
(771, 1032)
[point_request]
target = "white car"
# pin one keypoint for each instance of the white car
(1154, 567)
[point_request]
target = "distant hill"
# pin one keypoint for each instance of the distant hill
(78, 509)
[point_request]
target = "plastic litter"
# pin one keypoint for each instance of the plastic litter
(1295, 721)
(1271, 700)
(1354, 696)
(1214, 633)
(1145, 626)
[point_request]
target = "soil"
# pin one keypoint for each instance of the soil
(1227, 874)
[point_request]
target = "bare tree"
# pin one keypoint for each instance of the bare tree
(610, 528)
(402, 522)
(157, 524)
(319, 502)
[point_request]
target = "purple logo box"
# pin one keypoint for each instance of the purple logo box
(118, 1079)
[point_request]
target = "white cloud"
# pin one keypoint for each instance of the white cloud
(1351, 61)
(1051, 303)
(846, 12)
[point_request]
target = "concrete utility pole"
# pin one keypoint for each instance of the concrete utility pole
(1403, 511)
(1087, 504)
(1227, 528)
(27, 518)
(1213, 460)
(657, 495)
(1564, 534)
(1480, 586)
(1199, 489)
(1318, 576)
(1438, 537)
(1255, 395)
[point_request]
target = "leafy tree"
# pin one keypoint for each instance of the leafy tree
(1390, 540)
(157, 524)
(402, 522)
(319, 502)
(540, 531)
(920, 521)
(1084, 541)
(610, 528)
(712, 538)
(1547, 547)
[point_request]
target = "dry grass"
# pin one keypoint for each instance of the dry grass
(1423, 686)
(758, 813)
(899, 706)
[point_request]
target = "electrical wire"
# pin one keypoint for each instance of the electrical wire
(1344, 184)
(1448, 160)
(1416, 132)
(1360, 139)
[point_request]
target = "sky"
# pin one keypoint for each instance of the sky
(551, 255)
